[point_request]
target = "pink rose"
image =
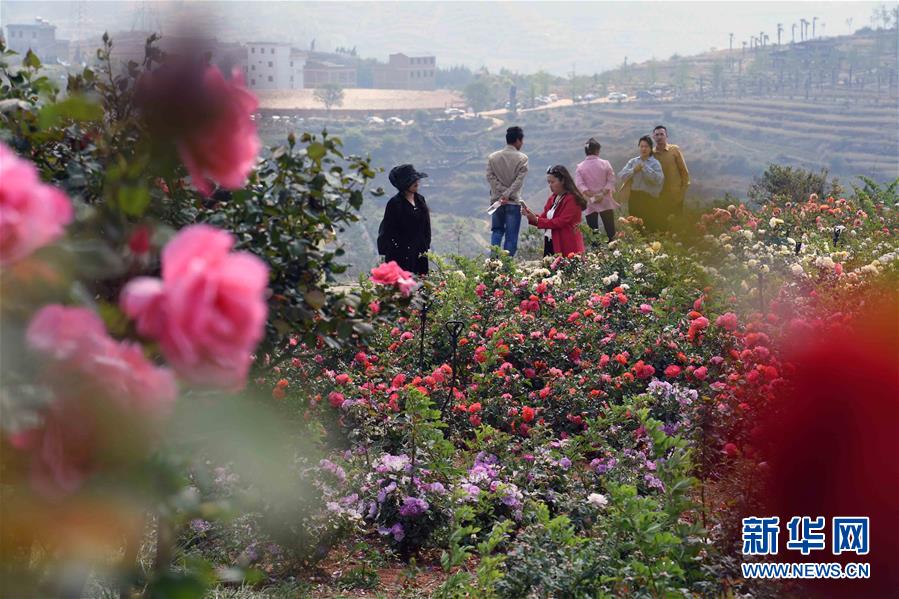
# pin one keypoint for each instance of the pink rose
(62, 452)
(727, 321)
(672, 371)
(701, 373)
(208, 311)
(78, 345)
(32, 214)
(336, 399)
(390, 273)
(226, 147)
(207, 116)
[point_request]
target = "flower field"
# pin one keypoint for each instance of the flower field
(191, 408)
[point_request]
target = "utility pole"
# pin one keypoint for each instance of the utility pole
(731, 51)
(780, 28)
(814, 21)
(762, 37)
(793, 41)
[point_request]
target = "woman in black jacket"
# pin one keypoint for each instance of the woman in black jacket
(405, 232)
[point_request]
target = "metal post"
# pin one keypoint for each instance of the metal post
(454, 328)
(761, 292)
(421, 347)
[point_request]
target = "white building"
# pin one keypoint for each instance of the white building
(273, 65)
(39, 37)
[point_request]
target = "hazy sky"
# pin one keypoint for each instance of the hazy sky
(523, 36)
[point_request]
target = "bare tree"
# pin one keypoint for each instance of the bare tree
(330, 95)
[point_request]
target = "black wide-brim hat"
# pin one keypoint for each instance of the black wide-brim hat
(403, 176)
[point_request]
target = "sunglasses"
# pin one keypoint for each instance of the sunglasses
(554, 171)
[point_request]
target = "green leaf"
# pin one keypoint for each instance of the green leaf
(316, 151)
(73, 108)
(31, 60)
(315, 298)
(133, 200)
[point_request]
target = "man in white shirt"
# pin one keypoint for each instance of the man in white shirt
(506, 170)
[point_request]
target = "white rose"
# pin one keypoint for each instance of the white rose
(598, 500)
(796, 269)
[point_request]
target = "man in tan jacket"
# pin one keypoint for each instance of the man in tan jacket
(677, 177)
(506, 170)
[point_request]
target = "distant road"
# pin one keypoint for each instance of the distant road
(557, 104)
(360, 99)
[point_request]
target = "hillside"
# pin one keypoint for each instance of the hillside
(858, 67)
(727, 142)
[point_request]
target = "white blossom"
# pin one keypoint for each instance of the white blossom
(598, 500)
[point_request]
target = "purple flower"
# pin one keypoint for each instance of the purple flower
(337, 471)
(436, 487)
(393, 463)
(653, 482)
(565, 463)
(413, 507)
(396, 530)
(481, 472)
(384, 492)
(485, 459)
(512, 497)
(472, 490)
(603, 465)
(199, 525)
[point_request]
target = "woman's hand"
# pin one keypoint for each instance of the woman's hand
(638, 168)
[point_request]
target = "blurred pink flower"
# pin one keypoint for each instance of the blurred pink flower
(727, 321)
(208, 311)
(225, 146)
(62, 451)
(32, 213)
(77, 342)
(70, 335)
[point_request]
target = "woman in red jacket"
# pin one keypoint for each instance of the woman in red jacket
(561, 215)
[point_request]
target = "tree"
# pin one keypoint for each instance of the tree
(718, 76)
(477, 94)
(330, 95)
(788, 183)
(543, 80)
(682, 75)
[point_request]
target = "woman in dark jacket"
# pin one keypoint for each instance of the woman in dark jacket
(405, 232)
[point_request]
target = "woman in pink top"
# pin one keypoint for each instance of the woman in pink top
(595, 178)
